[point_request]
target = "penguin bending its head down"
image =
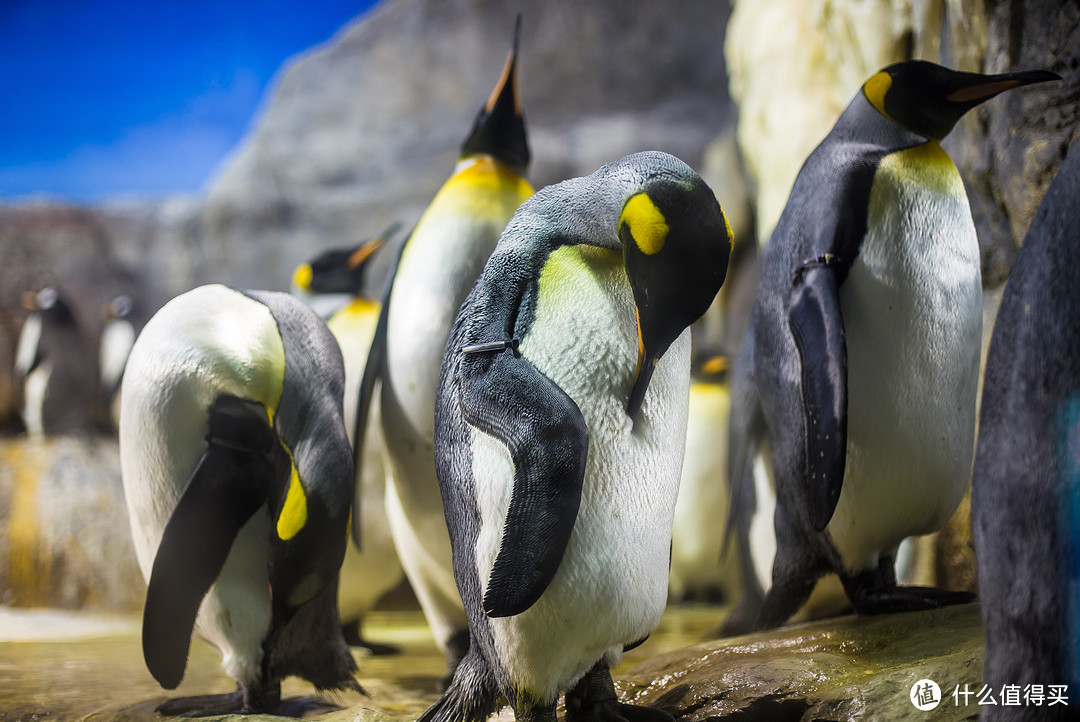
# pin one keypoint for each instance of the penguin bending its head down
(864, 342)
(371, 567)
(238, 478)
(1025, 489)
(438, 264)
(560, 426)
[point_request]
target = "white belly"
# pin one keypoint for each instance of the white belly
(912, 309)
(702, 507)
(372, 570)
(610, 588)
(433, 280)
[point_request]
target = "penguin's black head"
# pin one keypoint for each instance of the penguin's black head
(676, 243)
(51, 304)
(340, 270)
(929, 99)
(499, 128)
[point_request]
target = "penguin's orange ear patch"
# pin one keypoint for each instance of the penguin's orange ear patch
(645, 222)
(293, 515)
(875, 89)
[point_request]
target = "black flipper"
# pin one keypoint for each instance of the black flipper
(818, 329)
(374, 369)
(507, 397)
(230, 483)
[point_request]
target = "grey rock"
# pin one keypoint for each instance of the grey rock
(64, 535)
(850, 668)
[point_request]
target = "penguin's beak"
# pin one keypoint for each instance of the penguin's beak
(361, 254)
(499, 129)
(990, 85)
(646, 364)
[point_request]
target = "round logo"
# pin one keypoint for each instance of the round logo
(925, 695)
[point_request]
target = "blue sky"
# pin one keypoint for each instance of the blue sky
(140, 98)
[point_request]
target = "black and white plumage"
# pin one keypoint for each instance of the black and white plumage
(371, 567)
(860, 367)
(56, 368)
(560, 426)
(436, 268)
(1025, 489)
(237, 473)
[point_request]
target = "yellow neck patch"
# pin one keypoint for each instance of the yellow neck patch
(875, 89)
(293, 515)
(926, 165)
(646, 223)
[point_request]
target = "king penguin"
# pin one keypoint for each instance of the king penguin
(237, 473)
(560, 426)
(371, 568)
(699, 571)
(438, 264)
(863, 348)
(56, 368)
(1025, 489)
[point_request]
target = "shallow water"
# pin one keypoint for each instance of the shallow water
(66, 666)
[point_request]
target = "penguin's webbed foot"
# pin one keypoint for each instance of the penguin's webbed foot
(259, 700)
(355, 638)
(205, 705)
(593, 699)
(870, 594)
(615, 711)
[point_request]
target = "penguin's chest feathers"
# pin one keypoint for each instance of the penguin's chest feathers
(610, 588)
(443, 258)
(912, 312)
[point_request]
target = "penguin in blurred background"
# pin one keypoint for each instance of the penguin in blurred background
(699, 571)
(863, 350)
(56, 369)
(560, 429)
(238, 478)
(1025, 489)
(123, 318)
(372, 569)
(703, 566)
(438, 265)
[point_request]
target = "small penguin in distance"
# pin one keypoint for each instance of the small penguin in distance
(56, 368)
(436, 268)
(560, 426)
(699, 571)
(371, 568)
(237, 474)
(863, 348)
(1025, 489)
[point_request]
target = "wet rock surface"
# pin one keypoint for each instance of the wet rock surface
(849, 668)
(846, 668)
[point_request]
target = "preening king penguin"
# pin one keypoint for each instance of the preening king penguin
(371, 568)
(1025, 489)
(560, 425)
(238, 478)
(439, 263)
(864, 342)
